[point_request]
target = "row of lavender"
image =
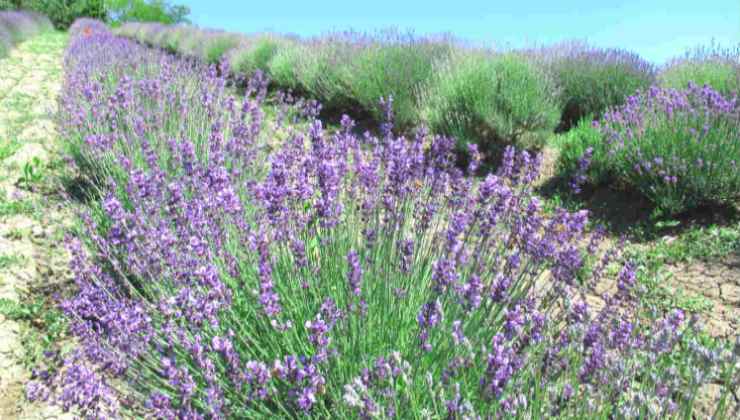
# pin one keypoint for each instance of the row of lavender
(480, 94)
(18, 26)
(337, 276)
(349, 67)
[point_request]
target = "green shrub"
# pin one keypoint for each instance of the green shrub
(283, 66)
(191, 43)
(253, 55)
(120, 11)
(149, 33)
(158, 39)
(591, 80)
(721, 75)
(394, 65)
(172, 38)
(490, 100)
(573, 145)
(318, 69)
(324, 71)
(63, 12)
(218, 44)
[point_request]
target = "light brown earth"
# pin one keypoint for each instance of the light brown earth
(32, 215)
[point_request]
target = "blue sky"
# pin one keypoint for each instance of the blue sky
(656, 29)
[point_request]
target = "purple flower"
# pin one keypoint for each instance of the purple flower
(502, 365)
(584, 162)
(354, 277)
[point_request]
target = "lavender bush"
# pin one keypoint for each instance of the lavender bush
(680, 148)
(85, 27)
(394, 64)
(318, 68)
(216, 45)
(211, 46)
(337, 276)
(343, 69)
(490, 100)
(591, 79)
(253, 55)
(576, 162)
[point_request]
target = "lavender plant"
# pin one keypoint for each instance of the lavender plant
(581, 156)
(217, 44)
(254, 55)
(679, 148)
(342, 70)
(394, 64)
(711, 65)
(591, 79)
(86, 27)
(338, 276)
(318, 68)
(490, 100)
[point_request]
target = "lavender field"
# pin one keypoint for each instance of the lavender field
(377, 226)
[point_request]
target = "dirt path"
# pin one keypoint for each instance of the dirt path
(32, 215)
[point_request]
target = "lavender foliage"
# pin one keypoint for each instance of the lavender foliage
(710, 65)
(591, 79)
(679, 148)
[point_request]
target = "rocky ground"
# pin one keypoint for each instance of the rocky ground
(719, 282)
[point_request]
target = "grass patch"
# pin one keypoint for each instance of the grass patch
(10, 260)
(8, 148)
(44, 324)
(15, 207)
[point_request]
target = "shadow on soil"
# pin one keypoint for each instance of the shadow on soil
(79, 189)
(630, 214)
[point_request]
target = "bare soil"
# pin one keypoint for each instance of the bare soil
(30, 237)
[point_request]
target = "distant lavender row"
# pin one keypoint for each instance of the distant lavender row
(18, 26)
(335, 276)
(86, 27)
(344, 70)
(712, 65)
(428, 77)
(593, 79)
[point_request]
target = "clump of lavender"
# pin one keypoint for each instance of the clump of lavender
(336, 276)
(85, 27)
(680, 148)
(591, 80)
(490, 99)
